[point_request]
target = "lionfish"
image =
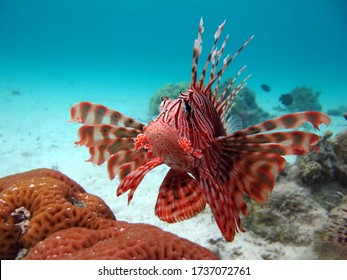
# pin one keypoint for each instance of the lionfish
(190, 135)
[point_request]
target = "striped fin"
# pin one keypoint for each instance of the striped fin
(286, 121)
(102, 150)
(256, 173)
(249, 162)
(90, 113)
(225, 205)
(134, 178)
(104, 140)
(179, 198)
(222, 102)
(254, 160)
(110, 136)
(226, 63)
(91, 134)
(214, 65)
(281, 143)
(125, 161)
(196, 53)
(212, 53)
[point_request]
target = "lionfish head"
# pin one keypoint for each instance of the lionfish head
(183, 104)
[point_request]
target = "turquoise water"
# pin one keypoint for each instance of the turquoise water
(118, 53)
(149, 43)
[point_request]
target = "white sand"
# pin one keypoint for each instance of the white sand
(34, 133)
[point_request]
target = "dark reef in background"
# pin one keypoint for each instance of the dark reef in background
(248, 110)
(303, 99)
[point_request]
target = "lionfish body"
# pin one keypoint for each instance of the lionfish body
(207, 165)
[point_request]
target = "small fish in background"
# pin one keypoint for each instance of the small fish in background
(265, 88)
(286, 99)
(16, 92)
(208, 164)
(345, 116)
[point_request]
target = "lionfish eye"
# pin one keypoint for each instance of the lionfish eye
(188, 108)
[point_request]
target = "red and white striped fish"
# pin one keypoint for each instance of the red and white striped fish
(207, 165)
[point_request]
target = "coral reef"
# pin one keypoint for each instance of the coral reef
(247, 108)
(323, 168)
(169, 90)
(45, 201)
(304, 99)
(39, 173)
(290, 216)
(331, 241)
(46, 215)
(119, 240)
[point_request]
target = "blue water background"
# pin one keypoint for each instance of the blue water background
(146, 44)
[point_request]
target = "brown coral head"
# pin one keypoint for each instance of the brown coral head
(36, 204)
(119, 240)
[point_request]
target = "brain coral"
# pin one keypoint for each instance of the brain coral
(35, 204)
(46, 215)
(119, 240)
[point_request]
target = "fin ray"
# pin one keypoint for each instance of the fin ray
(91, 113)
(134, 178)
(123, 157)
(224, 204)
(292, 120)
(179, 198)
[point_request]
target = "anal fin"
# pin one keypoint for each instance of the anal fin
(179, 198)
